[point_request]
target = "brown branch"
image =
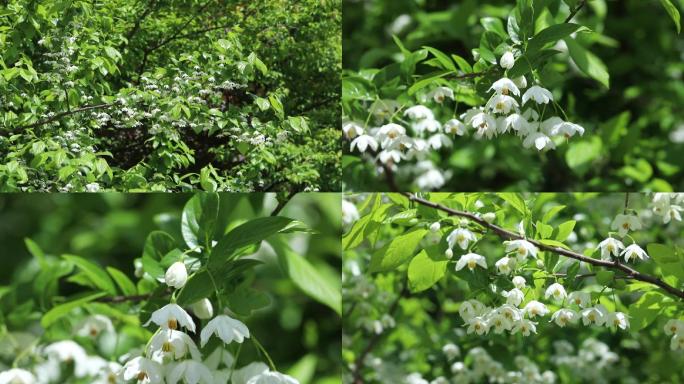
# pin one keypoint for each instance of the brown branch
(63, 114)
(575, 10)
(375, 339)
(282, 203)
(508, 235)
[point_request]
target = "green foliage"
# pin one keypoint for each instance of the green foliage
(409, 313)
(159, 96)
(622, 84)
(271, 271)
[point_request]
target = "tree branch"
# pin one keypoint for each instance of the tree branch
(282, 203)
(67, 113)
(508, 235)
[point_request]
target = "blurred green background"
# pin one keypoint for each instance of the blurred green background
(110, 229)
(635, 129)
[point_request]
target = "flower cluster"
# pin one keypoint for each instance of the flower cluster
(394, 139)
(612, 248)
(591, 362)
(668, 206)
(675, 328)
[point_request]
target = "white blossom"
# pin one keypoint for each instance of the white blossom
(538, 94)
(634, 252)
(226, 328)
(625, 223)
(507, 60)
(460, 236)
(472, 260)
(176, 275)
(171, 316)
(610, 247)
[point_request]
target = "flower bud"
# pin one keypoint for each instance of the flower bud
(435, 226)
(203, 309)
(507, 60)
(520, 82)
(176, 276)
(449, 254)
(489, 217)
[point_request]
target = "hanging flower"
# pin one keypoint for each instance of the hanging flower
(226, 328)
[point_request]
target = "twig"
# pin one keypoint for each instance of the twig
(69, 112)
(358, 363)
(282, 203)
(575, 10)
(508, 235)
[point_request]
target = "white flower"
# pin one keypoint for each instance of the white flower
(518, 123)
(672, 213)
(470, 308)
(434, 227)
(593, 315)
(535, 308)
(171, 316)
(634, 252)
(471, 260)
(521, 82)
(501, 104)
(451, 351)
(500, 323)
(505, 265)
(364, 142)
(226, 328)
(17, 376)
(174, 343)
(504, 86)
(525, 327)
(677, 342)
(610, 247)
(522, 248)
(242, 375)
(519, 282)
(625, 223)
(455, 127)
(563, 317)
(510, 312)
(388, 132)
(109, 374)
(674, 326)
(432, 179)
(441, 93)
(349, 213)
(449, 254)
(513, 297)
(507, 60)
(190, 372)
(556, 291)
(579, 298)
(429, 125)
(94, 325)
(539, 140)
(203, 309)
(569, 129)
(616, 319)
(439, 140)
(177, 275)
(460, 236)
(143, 371)
(489, 217)
(538, 94)
(485, 125)
(66, 351)
(387, 156)
(92, 187)
(478, 325)
(419, 112)
(351, 129)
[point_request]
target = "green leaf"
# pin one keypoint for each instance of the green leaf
(323, 288)
(420, 84)
(553, 243)
(125, 284)
(673, 12)
(424, 271)
(605, 277)
(662, 254)
(94, 272)
(495, 25)
(550, 35)
(255, 61)
(244, 236)
(397, 252)
(200, 285)
(247, 300)
(515, 200)
(262, 103)
(552, 212)
(35, 250)
(442, 58)
(565, 229)
(113, 53)
(199, 219)
(157, 245)
(59, 311)
(645, 310)
(582, 154)
(589, 63)
(277, 105)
